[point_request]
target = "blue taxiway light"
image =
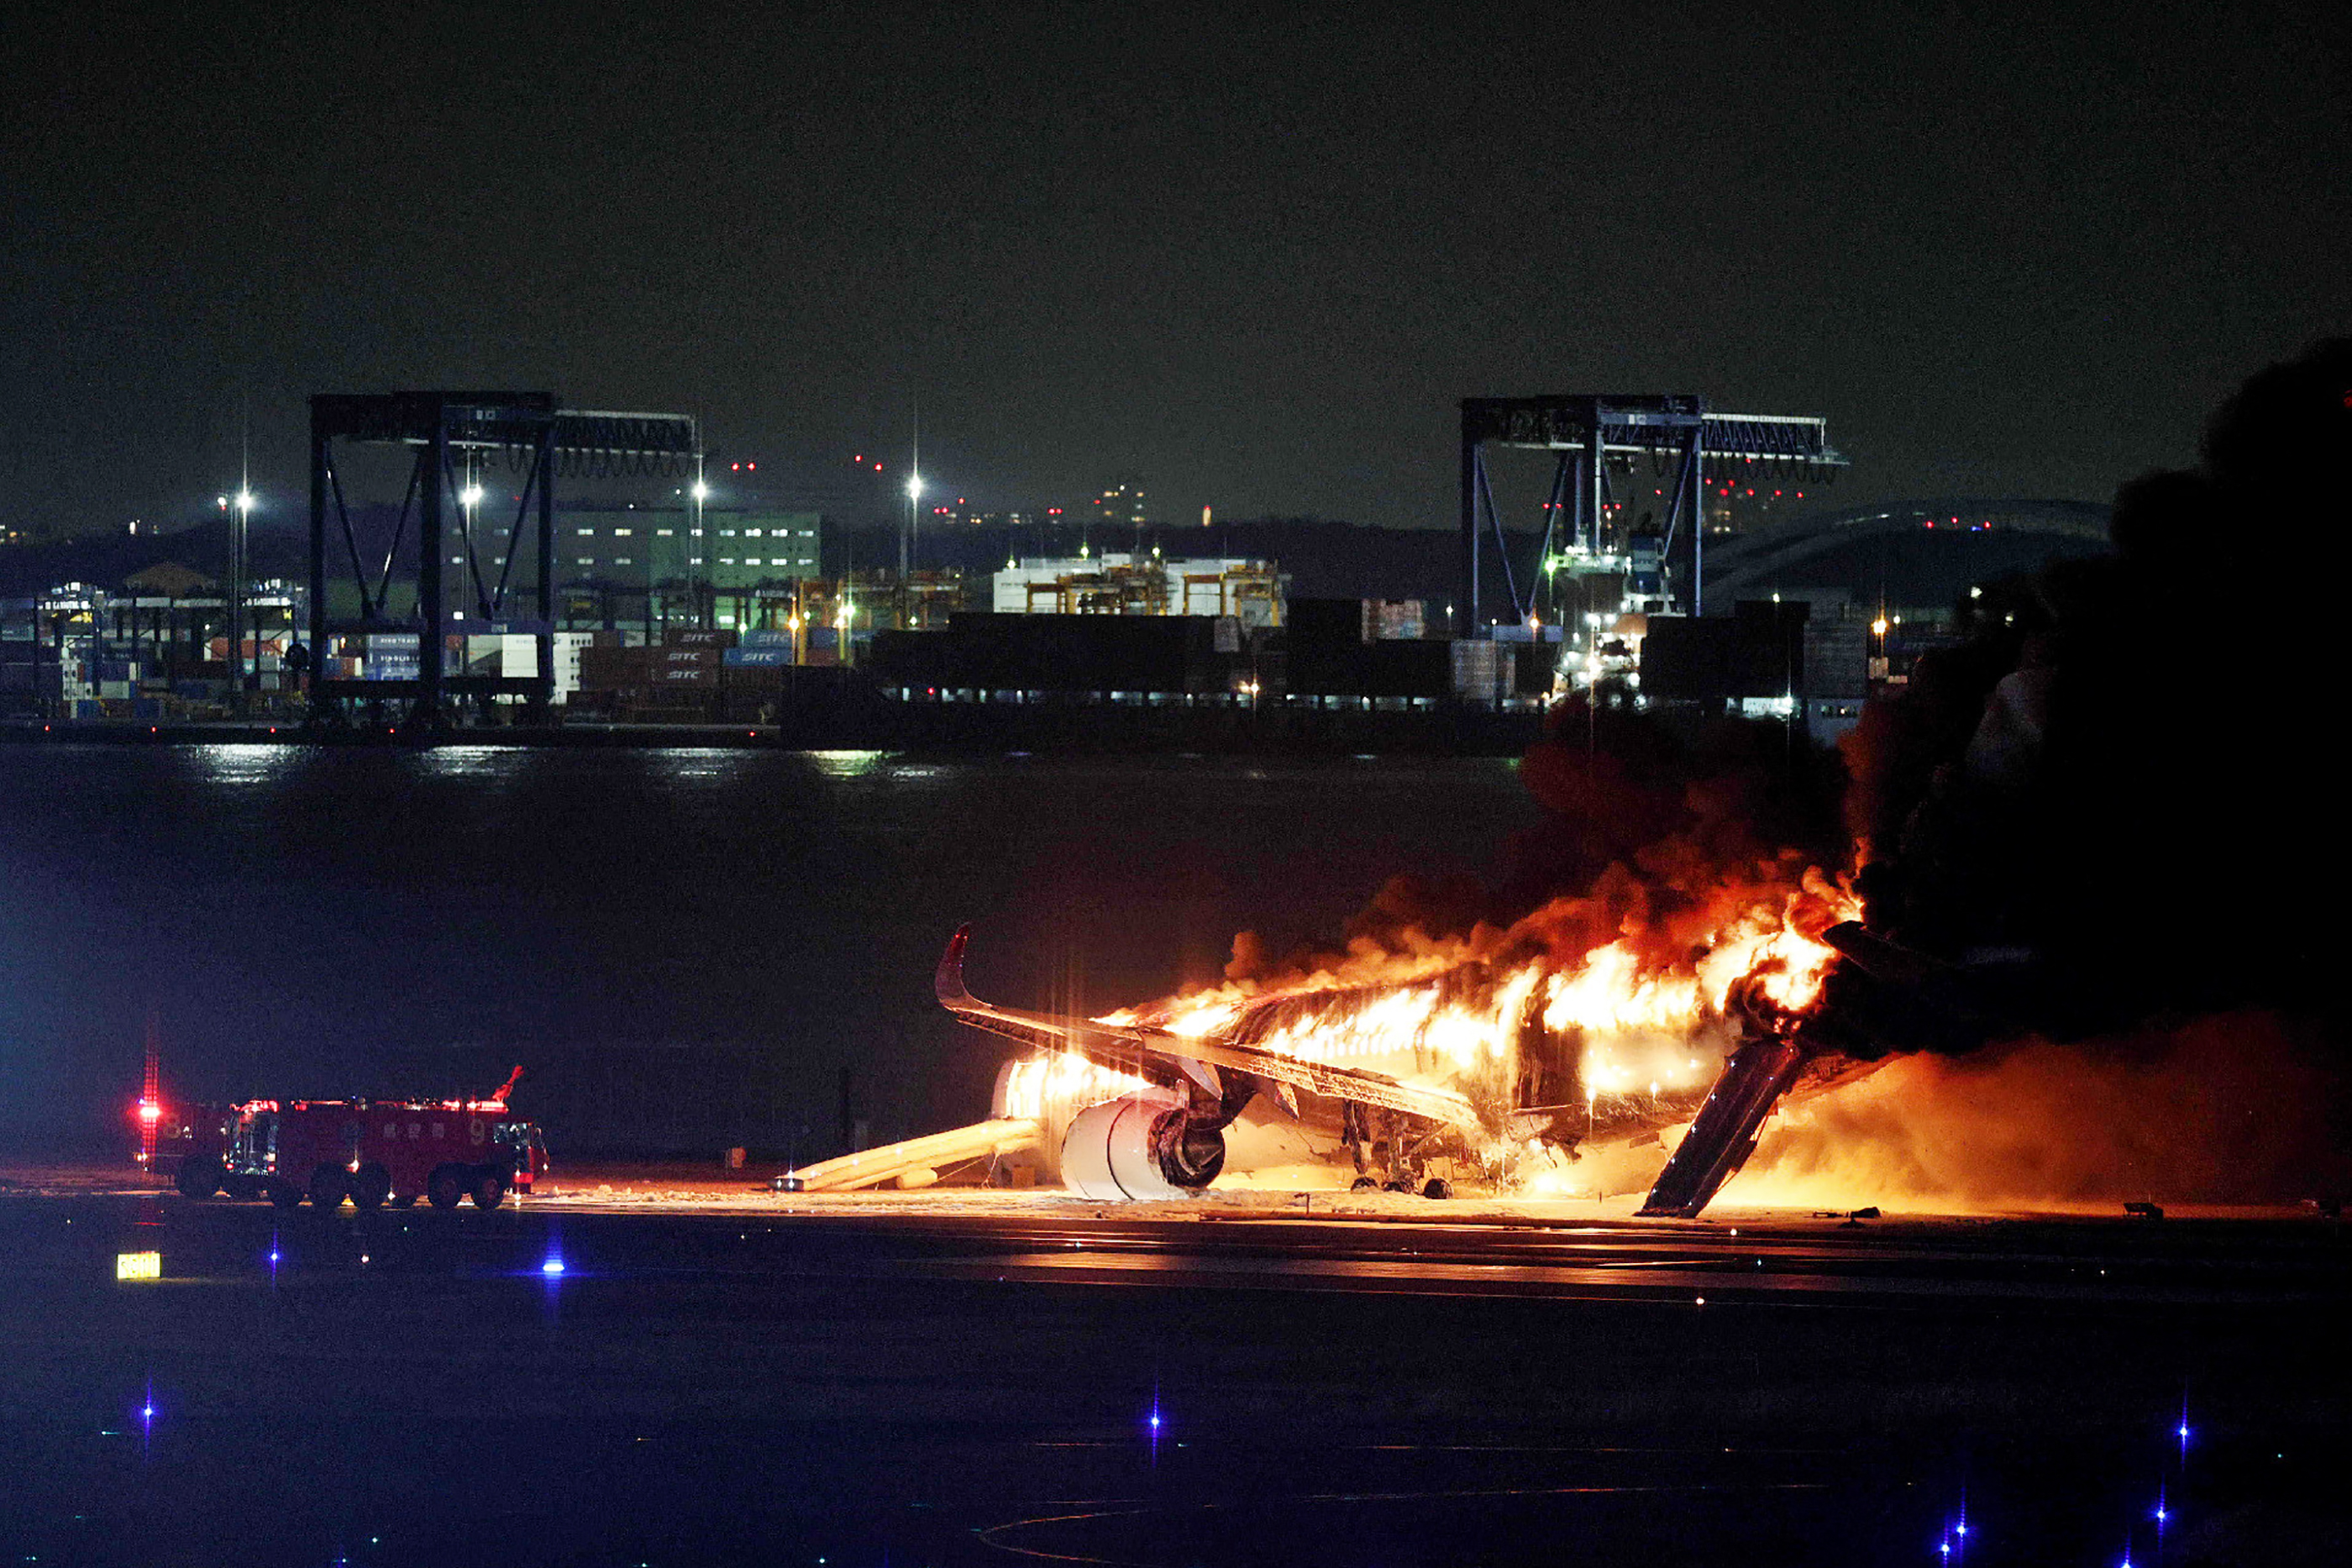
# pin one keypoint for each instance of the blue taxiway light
(552, 1265)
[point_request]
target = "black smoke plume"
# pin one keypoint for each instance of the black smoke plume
(2125, 792)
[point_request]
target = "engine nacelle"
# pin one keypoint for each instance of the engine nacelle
(1142, 1147)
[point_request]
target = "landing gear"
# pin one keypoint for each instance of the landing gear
(371, 1186)
(1392, 1152)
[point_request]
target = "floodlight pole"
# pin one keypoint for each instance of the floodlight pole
(432, 536)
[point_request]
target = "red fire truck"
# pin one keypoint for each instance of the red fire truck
(373, 1152)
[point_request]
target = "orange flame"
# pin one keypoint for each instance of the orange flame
(1643, 1012)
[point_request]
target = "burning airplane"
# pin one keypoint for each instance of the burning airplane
(1511, 1053)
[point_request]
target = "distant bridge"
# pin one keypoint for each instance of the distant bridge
(1744, 559)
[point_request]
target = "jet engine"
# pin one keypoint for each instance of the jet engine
(1142, 1147)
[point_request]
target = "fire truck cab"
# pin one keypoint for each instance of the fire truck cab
(371, 1152)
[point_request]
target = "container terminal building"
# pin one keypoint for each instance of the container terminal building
(659, 624)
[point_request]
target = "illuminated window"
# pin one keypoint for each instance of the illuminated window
(750, 533)
(663, 533)
(587, 533)
(621, 533)
(620, 560)
(587, 560)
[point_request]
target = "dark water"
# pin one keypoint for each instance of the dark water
(686, 947)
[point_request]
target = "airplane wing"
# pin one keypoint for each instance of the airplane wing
(1169, 1059)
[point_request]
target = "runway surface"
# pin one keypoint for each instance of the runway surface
(977, 1380)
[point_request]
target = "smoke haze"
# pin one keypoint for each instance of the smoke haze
(2241, 1108)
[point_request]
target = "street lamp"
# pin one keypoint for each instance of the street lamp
(467, 499)
(240, 508)
(907, 539)
(701, 493)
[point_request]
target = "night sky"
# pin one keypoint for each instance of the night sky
(1255, 253)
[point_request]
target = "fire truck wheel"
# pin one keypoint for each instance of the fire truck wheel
(1364, 1184)
(1438, 1187)
(371, 1185)
(444, 1186)
(199, 1178)
(284, 1194)
(327, 1188)
(490, 1191)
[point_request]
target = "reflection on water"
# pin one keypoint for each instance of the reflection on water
(232, 766)
(700, 765)
(469, 762)
(847, 764)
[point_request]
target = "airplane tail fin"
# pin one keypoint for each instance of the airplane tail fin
(948, 984)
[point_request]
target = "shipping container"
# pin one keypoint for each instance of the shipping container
(605, 668)
(1483, 671)
(1009, 651)
(1392, 620)
(1837, 661)
(392, 656)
